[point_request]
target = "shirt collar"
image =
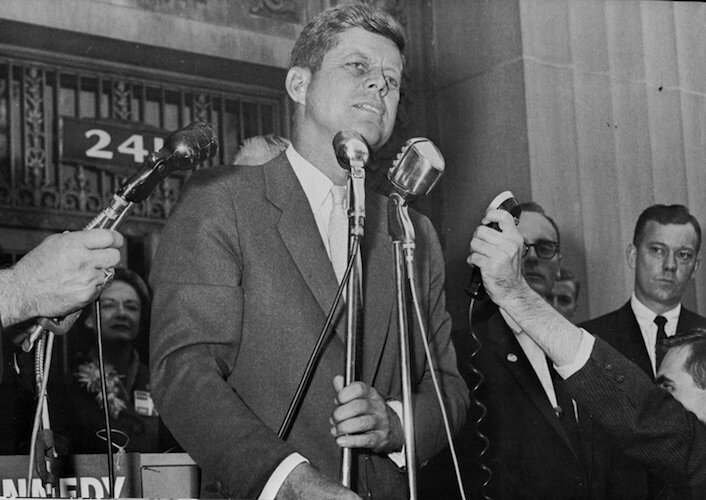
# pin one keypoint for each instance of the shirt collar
(647, 315)
(315, 184)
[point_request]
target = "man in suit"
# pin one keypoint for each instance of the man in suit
(664, 255)
(540, 444)
(643, 420)
(244, 279)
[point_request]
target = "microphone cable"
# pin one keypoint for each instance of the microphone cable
(104, 396)
(435, 382)
(488, 473)
(43, 355)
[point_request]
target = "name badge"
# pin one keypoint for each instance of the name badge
(144, 404)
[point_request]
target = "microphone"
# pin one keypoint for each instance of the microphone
(189, 146)
(353, 154)
(351, 149)
(416, 169)
(504, 201)
(183, 149)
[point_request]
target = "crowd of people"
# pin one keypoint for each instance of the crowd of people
(243, 280)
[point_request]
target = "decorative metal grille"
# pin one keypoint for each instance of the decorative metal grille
(38, 190)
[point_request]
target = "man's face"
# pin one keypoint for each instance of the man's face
(539, 273)
(357, 88)
(664, 263)
(680, 384)
(120, 312)
(564, 298)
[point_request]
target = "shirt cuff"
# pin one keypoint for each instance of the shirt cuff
(584, 352)
(269, 492)
(398, 457)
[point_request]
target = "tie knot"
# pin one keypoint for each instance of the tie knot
(338, 194)
(660, 321)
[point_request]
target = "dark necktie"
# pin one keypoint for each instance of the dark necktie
(660, 321)
(565, 410)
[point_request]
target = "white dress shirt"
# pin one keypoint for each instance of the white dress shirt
(536, 357)
(646, 319)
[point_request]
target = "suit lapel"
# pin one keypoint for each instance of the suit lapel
(634, 346)
(299, 233)
(508, 350)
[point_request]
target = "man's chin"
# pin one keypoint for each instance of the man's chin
(373, 135)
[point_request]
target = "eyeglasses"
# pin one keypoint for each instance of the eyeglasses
(544, 249)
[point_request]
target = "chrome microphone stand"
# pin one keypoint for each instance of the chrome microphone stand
(402, 234)
(352, 153)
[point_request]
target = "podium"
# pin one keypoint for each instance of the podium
(137, 475)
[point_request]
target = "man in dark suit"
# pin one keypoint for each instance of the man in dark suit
(664, 255)
(244, 279)
(643, 420)
(540, 444)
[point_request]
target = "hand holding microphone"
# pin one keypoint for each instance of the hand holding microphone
(504, 201)
(183, 150)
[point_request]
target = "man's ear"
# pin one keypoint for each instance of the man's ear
(90, 322)
(297, 84)
(697, 264)
(631, 255)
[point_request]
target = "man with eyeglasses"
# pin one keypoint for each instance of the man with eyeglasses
(538, 445)
(664, 254)
(644, 421)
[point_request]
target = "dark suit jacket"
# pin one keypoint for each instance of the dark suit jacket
(242, 286)
(530, 454)
(645, 421)
(621, 330)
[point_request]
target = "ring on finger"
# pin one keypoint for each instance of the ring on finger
(109, 274)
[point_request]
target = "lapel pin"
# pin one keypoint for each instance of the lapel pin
(512, 357)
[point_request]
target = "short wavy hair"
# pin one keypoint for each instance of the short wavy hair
(321, 34)
(665, 214)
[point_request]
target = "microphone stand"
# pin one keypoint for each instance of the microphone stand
(402, 233)
(354, 292)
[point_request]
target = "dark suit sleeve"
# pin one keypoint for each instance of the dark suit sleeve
(645, 421)
(195, 338)
(429, 430)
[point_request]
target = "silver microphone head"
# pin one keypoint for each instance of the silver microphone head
(417, 168)
(351, 149)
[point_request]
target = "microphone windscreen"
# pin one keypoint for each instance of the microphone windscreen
(189, 146)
